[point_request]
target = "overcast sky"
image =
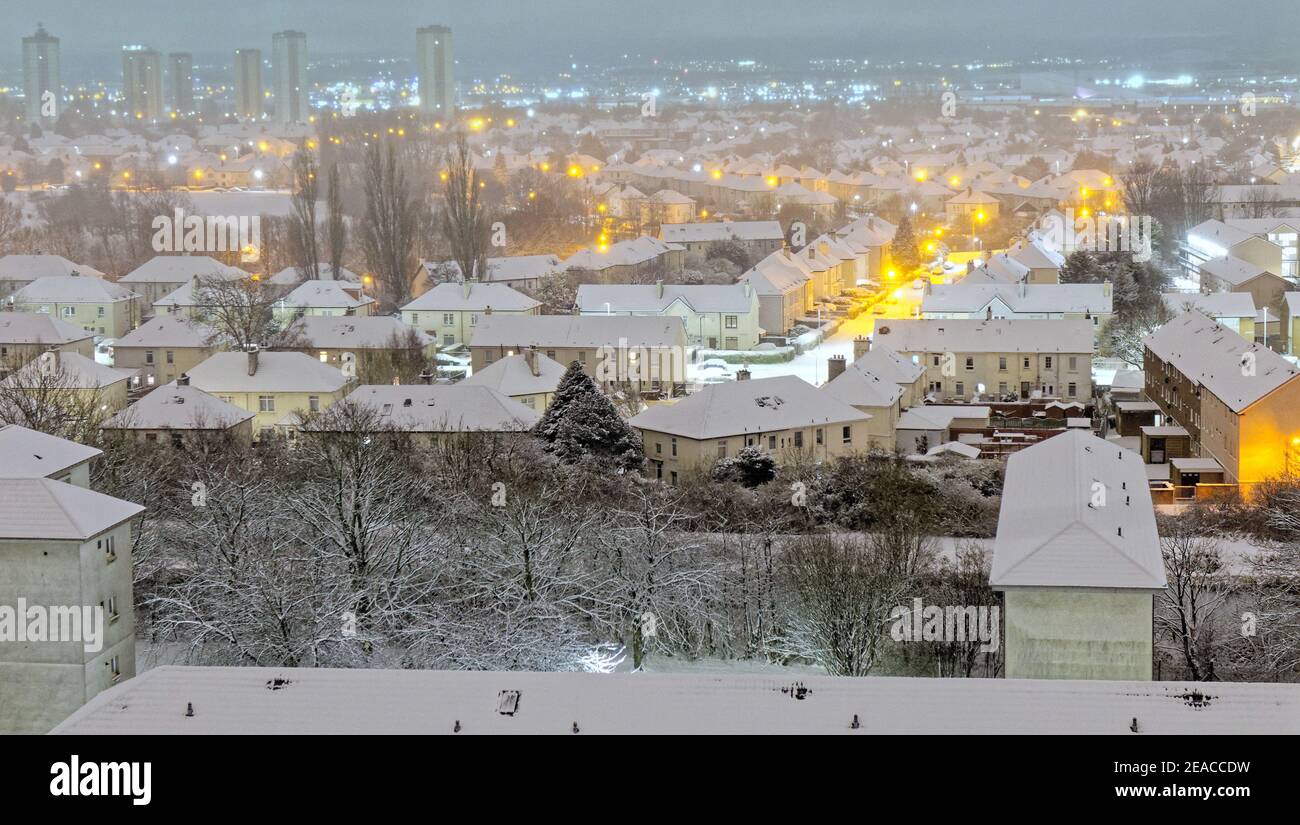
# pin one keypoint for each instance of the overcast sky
(518, 34)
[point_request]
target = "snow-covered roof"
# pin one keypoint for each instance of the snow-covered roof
(1212, 356)
(471, 296)
(1076, 512)
(1232, 271)
(721, 231)
(35, 267)
(577, 331)
(173, 269)
(178, 407)
(28, 453)
(359, 331)
(756, 406)
(513, 376)
(166, 330)
(735, 298)
(973, 296)
(239, 700)
(38, 328)
(71, 370)
(71, 289)
(323, 295)
(440, 409)
(276, 372)
(1212, 304)
(886, 364)
(861, 389)
(38, 508)
(962, 335)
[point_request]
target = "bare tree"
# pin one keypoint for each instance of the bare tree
(303, 226)
(336, 227)
(1198, 588)
(464, 217)
(388, 232)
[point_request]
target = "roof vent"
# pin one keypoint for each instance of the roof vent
(798, 691)
(278, 683)
(508, 702)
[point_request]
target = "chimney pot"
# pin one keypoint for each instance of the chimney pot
(183, 380)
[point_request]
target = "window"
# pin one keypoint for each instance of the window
(266, 403)
(673, 477)
(582, 357)
(820, 437)
(68, 312)
(1047, 361)
(324, 356)
(1073, 390)
(771, 442)
(148, 356)
(473, 319)
(1026, 363)
(847, 434)
(936, 361)
(449, 339)
(659, 448)
(722, 449)
(673, 444)
(970, 363)
(110, 608)
(415, 318)
(1074, 363)
(732, 342)
(171, 356)
(114, 669)
(961, 388)
(108, 547)
(101, 312)
(448, 319)
(798, 440)
(1002, 363)
(313, 403)
(529, 402)
(731, 321)
(1002, 387)
(550, 353)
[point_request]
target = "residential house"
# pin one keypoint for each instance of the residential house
(1077, 559)
(34, 454)
(528, 377)
(322, 298)
(450, 311)
(376, 348)
(999, 357)
(25, 335)
(272, 385)
(1237, 400)
(163, 274)
(974, 299)
(638, 259)
(641, 353)
(164, 348)
(440, 410)
(100, 307)
(757, 239)
(886, 364)
(517, 272)
(784, 416)
(785, 292)
(1214, 239)
(176, 412)
(63, 547)
(880, 398)
(72, 379)
(716, 316)
(1234, 310)
(18, 271)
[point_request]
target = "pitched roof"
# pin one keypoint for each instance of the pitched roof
(34, 267)
(38, 328)
(756, 406)
(722, 231)
(28, 453)
(1076, 512)
(38, 508)
(1232, 270)
(975, 296)
(886, 364)
(439, 408)
(236, 700)
(71, 289)
(276, 372)
(862, 389)
(177, 268)
(577, 331)
(166, 330)
(178, 407)
(471, 296)
(1213, 355)
(323, 294)
(360, 331)
(74, 371)
(512, 376)
(961, 335)
(1212, 304)
(737, 298)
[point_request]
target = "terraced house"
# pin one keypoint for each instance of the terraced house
(449, 312)
(25, 335)
(998, 357)
(275, 386)
(1238, 400)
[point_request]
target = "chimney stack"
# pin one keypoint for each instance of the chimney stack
(530, 358)
(183, 380)
(426, 377)
(252, 359)
(861, 346)
(465, 287)
(835, 366)
(742, 374)
(1105, 288)
(659, 288)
